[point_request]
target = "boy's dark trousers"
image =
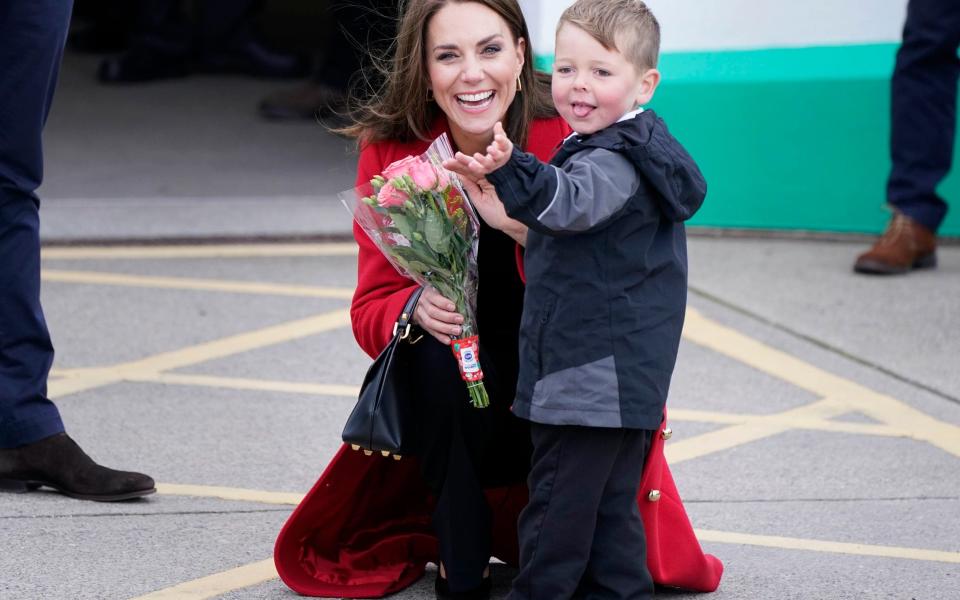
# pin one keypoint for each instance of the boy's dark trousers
(581, 535)
(32, 36)
(923, 109)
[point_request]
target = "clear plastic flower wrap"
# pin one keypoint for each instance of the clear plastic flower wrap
(418, 215)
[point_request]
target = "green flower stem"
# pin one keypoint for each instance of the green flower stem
(478, 394)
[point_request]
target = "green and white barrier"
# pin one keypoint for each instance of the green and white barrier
(785, 106)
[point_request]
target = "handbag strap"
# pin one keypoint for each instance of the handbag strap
(403, 321)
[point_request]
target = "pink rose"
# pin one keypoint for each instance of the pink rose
(424, 175)
(400, 167)
(390, 196)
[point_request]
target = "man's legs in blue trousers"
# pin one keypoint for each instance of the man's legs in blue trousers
(923, 110)
(32, 35)
(922, 129)
(34, 449)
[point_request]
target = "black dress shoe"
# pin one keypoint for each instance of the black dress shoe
(442, 590)
(59, 463)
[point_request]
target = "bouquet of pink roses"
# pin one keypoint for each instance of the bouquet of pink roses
(418, 215)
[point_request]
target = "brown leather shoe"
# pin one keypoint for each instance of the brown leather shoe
(58, 462)
(904, 246)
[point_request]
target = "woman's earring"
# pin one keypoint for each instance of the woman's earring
(429, 95)
(519, 85)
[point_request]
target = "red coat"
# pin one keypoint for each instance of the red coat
(364, 529)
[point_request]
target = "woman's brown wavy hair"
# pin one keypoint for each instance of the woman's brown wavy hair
(397, 108)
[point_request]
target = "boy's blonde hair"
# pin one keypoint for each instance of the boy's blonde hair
(627, 26)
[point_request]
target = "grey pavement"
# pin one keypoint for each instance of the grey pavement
(188, 159)
(185, 158)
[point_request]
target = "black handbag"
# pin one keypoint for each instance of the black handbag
(378, 422)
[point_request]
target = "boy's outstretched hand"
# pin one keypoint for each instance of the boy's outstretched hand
(498, 153)
(482, 194)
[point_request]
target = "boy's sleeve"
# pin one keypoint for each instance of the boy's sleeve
(580, 197)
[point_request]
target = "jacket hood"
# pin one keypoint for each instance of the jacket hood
(660, 158)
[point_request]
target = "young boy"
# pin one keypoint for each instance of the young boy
(606, 270)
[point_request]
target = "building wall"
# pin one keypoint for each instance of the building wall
(785, 105)
(741, 24)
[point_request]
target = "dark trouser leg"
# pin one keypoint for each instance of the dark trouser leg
(923, 109)
(462, 518)
(573, 468)
(618, 559)
(458, 448)
(32, 35)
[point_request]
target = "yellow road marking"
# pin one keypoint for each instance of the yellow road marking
(232, 383)
(794, 421)
(236, 383)
(839, 396)
(757, 428)
(184, 283)
(790, 543)
(229, 493)
(218, 584)
(732, 343)
(916, 424)
(86, 379)
(265, 570)
(202, 251)
(847, 394)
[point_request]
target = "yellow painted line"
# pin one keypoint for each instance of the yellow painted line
(842, 427)
(86, 379)
(855, 397)
(265, 570)
(793, 421)
(203, 251)
(229, 493)
(352, 391)
(789, 543)
(243, 342)
(705, 416)
(762, 357)
(914, 423)
(753, 430)
(218, 584)
(185, 283)
(237, 383)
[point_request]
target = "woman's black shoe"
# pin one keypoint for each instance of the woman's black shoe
(481, 592)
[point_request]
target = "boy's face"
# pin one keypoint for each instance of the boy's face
(594, 86)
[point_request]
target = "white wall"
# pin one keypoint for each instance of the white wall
(730, 24)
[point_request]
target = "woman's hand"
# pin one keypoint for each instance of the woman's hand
(437, 316)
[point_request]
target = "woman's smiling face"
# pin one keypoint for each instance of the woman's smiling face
(473, 63)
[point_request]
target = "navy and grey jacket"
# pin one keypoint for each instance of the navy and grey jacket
(606, 267)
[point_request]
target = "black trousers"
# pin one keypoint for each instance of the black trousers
(581, 535)
(32, 36)
(923, 109)
(462, 450)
